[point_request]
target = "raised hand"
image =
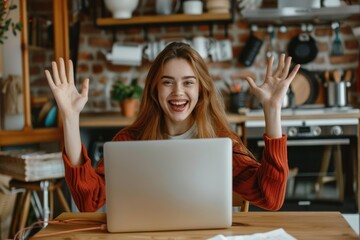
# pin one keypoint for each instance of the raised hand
(70, 102)
(272, 91)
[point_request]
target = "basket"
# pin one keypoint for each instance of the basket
(7, 201)
(31, 166)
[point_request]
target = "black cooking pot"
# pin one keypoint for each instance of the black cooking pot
(303, 48)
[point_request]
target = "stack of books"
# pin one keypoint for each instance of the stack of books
(29, 166)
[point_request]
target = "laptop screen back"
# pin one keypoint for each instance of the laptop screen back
(168, 184)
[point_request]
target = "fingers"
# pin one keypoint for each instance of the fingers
(269, 67)
(59, 73)
(56, 76)
(294, 72)
(251, 82)
(71, 72)
(282, 69)
(49, 79)
(280, 66)
(285, 70)
(63, 77)
(85, 88)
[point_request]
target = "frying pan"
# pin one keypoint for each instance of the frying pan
(302, 48)
(305, 87)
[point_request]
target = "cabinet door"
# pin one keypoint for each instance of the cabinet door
(43, 38)
(11, 74)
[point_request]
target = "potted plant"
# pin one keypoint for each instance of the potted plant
(6, 23)
(127, 96)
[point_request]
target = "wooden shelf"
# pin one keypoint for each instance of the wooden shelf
(206, 18)
(28, 136)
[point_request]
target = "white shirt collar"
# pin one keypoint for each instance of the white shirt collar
(186, 135)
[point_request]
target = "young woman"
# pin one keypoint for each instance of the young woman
(181, 101)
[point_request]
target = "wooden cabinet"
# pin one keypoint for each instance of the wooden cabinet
(61, 49)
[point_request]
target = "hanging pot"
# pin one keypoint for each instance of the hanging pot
(303, 48)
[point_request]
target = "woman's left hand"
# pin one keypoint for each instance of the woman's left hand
(272, 91)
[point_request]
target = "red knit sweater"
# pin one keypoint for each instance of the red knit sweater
(264, 184)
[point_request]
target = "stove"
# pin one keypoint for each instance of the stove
(307, 125)
(322, 145)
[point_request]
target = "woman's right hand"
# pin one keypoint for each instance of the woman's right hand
(70, 102)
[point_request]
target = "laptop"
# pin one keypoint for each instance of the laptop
(160, 185)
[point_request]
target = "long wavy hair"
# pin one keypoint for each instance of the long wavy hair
(209, 113)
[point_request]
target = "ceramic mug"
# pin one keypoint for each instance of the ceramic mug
(193, 7)
(221, 51)
(201, 45)
(151, 50)
(165, 7)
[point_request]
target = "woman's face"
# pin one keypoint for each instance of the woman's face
(178, 93)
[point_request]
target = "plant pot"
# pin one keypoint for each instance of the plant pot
(129, 107)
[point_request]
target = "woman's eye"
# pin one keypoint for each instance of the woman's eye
(167, 82)
(189, 83)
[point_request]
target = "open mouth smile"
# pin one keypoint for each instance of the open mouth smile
(178, 105)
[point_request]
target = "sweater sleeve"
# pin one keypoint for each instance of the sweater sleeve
(87, 184)
(263, 184)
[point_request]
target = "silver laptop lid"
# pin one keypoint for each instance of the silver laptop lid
(168, 184)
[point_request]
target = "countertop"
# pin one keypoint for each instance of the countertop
(115, 119)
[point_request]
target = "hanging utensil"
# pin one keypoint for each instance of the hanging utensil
(251, 48)
(272, 49)
(337, 48)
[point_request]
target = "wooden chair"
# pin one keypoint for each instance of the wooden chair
(339, 175)
(239, 203)
(23, 201)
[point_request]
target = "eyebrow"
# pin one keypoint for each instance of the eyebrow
(186, 77)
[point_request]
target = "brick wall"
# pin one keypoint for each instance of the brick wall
(93, 42)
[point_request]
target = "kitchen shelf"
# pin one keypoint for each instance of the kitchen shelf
(102, 19)
(295, 14)
(156, 20)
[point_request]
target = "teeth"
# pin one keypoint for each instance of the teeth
(178, 103)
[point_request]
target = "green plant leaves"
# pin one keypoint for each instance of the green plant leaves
(121, 91)
(6, 22)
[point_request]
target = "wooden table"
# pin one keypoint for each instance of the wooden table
(301, 225)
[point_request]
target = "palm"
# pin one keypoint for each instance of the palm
(272, 91)
(69, 100)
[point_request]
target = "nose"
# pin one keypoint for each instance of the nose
(178, 88)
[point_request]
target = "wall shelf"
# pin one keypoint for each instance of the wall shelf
(292, 14)
(102, 19)
(157, 20)
(29, 135)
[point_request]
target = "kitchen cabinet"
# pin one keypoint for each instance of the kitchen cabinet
(29, 134)
(292, 14)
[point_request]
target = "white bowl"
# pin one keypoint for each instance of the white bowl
(121, 8)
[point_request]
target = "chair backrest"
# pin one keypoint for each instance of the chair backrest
(239, 203)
